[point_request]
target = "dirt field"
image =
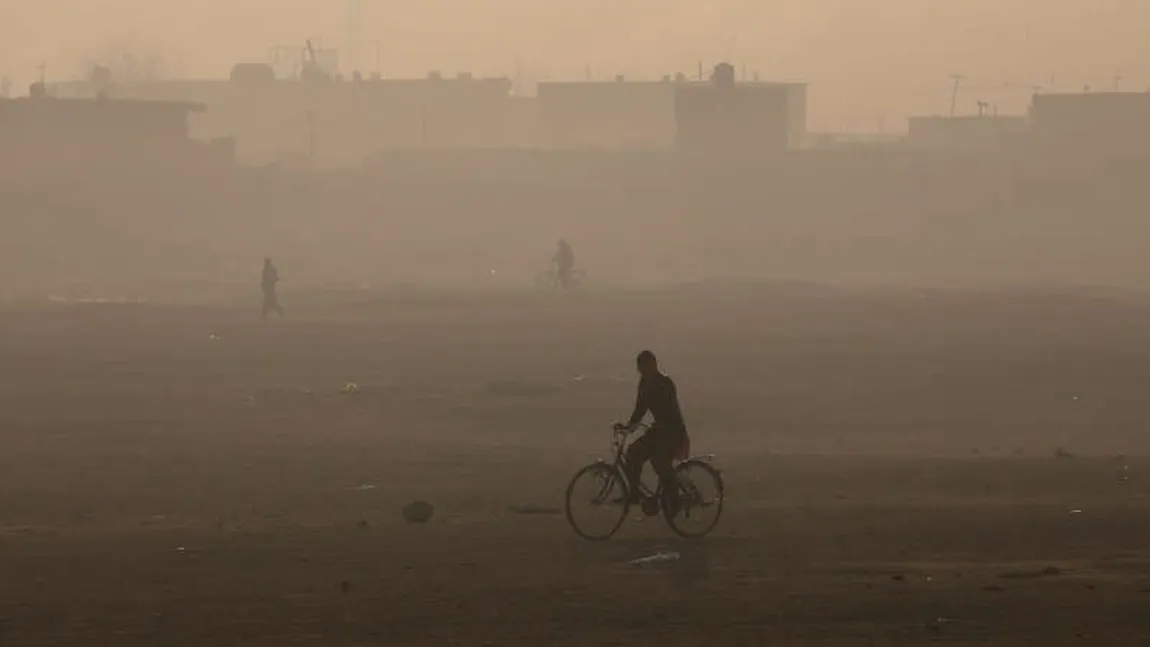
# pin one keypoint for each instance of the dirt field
(175, 475)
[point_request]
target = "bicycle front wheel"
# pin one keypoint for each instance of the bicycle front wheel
(597, 501)
(700, 500)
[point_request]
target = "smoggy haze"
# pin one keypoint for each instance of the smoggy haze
(868, 61)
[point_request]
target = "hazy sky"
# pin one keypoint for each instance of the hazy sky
(868, 61)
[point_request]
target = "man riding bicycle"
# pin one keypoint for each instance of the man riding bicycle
(667, 439)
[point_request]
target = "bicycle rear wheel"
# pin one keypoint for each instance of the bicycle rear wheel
(596, 501)
(546, 280)
(700, 500)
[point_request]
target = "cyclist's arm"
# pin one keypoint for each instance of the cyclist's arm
(641, 408)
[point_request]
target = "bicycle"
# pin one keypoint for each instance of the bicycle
(611, 492)
(549, 279)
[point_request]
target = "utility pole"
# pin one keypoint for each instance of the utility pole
(957, 79)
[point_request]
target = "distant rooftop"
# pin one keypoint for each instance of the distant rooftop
(46, 104)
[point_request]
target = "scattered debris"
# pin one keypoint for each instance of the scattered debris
(363, 486)
(1060, 452)
(351, 388)
(1048, 571)
(661, 556)
(418, 512)
(936, 624)
(344, 587)
(532, 508)
(214, 336)
(1076, 511)
(898, 578)
(511, 388)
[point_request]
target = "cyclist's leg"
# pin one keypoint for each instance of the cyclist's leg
(637, 454)
(662, 459)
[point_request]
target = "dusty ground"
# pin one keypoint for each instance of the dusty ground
(889, 462)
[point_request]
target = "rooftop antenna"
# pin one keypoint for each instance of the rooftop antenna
(1118, 81)
(354, 13)
(957, 79)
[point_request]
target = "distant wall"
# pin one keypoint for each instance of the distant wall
(492, 217)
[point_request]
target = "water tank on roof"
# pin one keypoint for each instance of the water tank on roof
(252, 73)
(724, 75)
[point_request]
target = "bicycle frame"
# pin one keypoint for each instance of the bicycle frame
(619, 458)
(619, 449)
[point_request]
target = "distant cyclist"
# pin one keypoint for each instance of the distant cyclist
(667, 439)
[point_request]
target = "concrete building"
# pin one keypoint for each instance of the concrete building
(672, 113)
(968, 132)
(616, 114)
(729, 116)
(1102, 123)
(76, 134)
(334, 122)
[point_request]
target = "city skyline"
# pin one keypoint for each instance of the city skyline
(869, 66)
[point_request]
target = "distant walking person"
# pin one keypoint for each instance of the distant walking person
(271, 277)
(564, 261)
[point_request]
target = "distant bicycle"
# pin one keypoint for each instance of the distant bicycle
(600, 492)
(549, 279)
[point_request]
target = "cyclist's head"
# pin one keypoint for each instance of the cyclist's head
(646, 363)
